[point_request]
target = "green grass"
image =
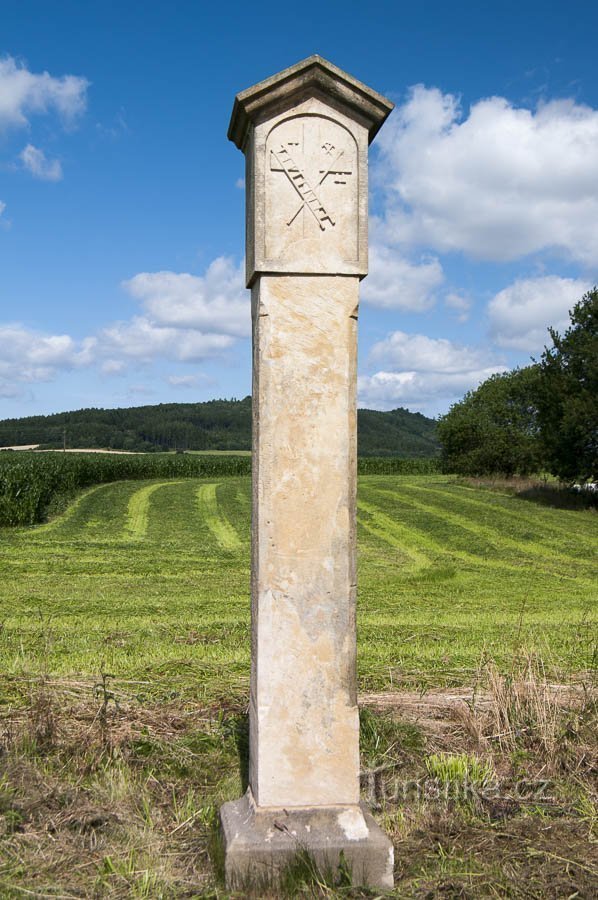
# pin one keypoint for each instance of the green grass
(459, 770)
(137, 520)
(150, 581)
(211, 511)
(124, 653)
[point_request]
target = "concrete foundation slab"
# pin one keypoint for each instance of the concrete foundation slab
(340, 842)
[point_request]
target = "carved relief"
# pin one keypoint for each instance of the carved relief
(311, 190)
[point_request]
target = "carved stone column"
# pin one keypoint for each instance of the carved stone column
(305, 134)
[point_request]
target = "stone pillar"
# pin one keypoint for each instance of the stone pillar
(305, 134)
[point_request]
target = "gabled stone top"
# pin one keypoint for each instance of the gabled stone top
(313, 76)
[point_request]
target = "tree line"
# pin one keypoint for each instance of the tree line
(540, 418)
(212, 425)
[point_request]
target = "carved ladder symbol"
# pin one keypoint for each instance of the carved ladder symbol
(300, 183)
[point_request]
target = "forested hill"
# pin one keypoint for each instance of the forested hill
(215, 425)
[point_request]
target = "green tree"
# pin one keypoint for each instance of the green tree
(568, 395)
(494, 428)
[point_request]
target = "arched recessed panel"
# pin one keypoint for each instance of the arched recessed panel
(311, 191)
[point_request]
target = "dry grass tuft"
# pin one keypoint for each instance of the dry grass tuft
(523, 709)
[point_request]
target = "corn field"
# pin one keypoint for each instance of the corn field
(30, 482)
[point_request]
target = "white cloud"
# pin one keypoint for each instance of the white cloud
(34, 160)
(29, 356)
(142, 340)
(396, 283)
(240, 183)
(498, 183)
(23, 93)
(423, 372)
(113, 366)
(188, 381)
(2, 207)
(520, 314)
(10, 391)
(187, 319)
(216, 302)
(430, 392)
(460, 304)
(425, 354)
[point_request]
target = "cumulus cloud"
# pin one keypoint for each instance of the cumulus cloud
(426, 354)
(216, 302)
(423, 372)
(34, 160)
(24, 93)
(396, 283)
(29, 356)
(429, 392)
(186, 319)
(520, 314)
(142, 340)
(497, 183)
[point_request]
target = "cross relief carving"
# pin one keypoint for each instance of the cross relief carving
(308, 164)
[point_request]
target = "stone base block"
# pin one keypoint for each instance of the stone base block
(339, 841)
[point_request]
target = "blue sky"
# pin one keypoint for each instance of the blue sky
(122, 205)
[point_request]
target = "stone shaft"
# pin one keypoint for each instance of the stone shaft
(305, 134)
(303, 715)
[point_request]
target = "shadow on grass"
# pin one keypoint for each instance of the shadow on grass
(534, 490)
(559, 497)
(242, 741)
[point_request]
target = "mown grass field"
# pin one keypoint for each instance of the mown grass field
(148, 583)
(150, 580)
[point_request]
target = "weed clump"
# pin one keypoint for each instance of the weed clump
(460, 770)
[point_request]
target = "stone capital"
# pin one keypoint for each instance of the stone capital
(305, 134)
(311, 77)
